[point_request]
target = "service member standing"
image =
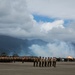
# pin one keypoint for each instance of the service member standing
(48, 62)
(54, 61)
(45, 61)
(40, 61)
(34, 62)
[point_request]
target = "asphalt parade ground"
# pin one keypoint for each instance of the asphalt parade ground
(26, 68)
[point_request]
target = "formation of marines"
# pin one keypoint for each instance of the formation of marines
(37, 61)
(44, 62)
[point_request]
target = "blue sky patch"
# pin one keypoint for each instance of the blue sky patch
(67, 22)
(39, 18)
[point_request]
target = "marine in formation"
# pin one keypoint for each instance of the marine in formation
(44, 62)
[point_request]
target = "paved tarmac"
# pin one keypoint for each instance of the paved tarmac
(18, 68)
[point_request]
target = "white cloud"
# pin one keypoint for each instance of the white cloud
(53, 8)
(17, 21)
(49, 26)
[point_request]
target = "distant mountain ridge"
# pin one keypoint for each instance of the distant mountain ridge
(14, 45)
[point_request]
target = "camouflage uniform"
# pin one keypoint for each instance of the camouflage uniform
(45, 61)
(48, 62)
(34, 61)
(42, 62)
(23, 60)
(54, 62)
(39, 61)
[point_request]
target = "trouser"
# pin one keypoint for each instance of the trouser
(50, 63)
(42, 64)
(34, 63)
(39, 64)
(54, 63)
(45, 63)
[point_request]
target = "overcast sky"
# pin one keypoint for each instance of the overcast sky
(17, 19)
